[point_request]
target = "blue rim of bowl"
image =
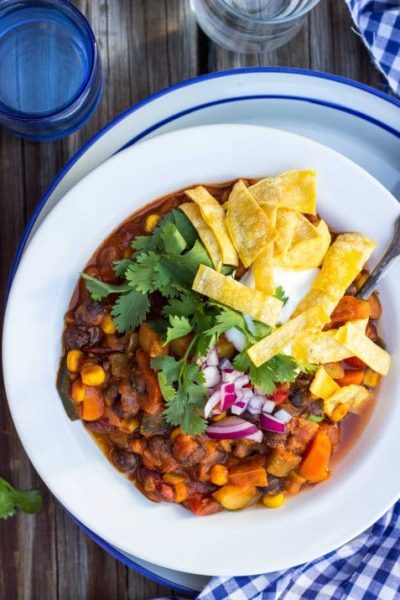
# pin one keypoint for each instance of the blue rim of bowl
(42, 202)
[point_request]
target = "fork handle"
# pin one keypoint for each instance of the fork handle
(380, 270)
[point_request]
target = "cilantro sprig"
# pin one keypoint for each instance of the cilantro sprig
(11, 499)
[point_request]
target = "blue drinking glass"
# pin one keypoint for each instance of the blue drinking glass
(50, 73)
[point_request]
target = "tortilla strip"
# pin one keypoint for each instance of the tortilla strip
(363, 348)
(312, 319)
(352, 396)
(248, 225)
(214, 215)
(323, 386)
(323, 347)
(286, 221)
(206, 234)
(341, 265)
(262, 268)
(294, 189)
(308, 253)
(230, 292)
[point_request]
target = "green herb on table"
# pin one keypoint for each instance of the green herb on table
(11, 499)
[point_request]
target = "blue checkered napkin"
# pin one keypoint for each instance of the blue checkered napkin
(378, 22)
(367, 568)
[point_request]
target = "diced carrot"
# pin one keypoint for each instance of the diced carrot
(375, 306)
(249, 472)
(332, 431)
(355, 363)
(353, 377)
(93, 404)
(350, 308)
(315, 465)
(154, 401)
(150, 342)
(202, 505)
(180, 345)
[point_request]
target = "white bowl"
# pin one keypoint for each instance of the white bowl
(364, 485)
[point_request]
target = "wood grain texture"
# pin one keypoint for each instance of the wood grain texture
(145, 46)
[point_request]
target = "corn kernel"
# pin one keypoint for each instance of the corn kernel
(74, 360)
(181, 492)
(78, 391)
(173, 478)
(129, 425)
(219, 475)
(93, 374)
(273, 501)
(339, 412)
(371, 378)
(151, 222)
(174, 433)
(108, 325)
(219, 417)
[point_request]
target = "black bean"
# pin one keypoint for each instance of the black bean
(297, 398)
(275, 485)
(96, 335)
(76, 337)
(123, 460)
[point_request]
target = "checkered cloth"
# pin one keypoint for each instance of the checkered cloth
(378, 22)
(367, 568)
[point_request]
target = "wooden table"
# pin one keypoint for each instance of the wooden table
(145, 45)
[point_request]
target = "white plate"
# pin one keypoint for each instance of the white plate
(315, 104)
(167, 535)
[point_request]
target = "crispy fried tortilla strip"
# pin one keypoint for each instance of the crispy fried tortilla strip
(294, 189)
(249, 227)
(230, 292)
(353, 397)
(323, 386)
(363, 348)
(206, 234)
(214, 215)
(307, 252)
(312, 319)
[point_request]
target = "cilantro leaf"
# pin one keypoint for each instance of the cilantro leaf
(168, 391)
(184, 305)
(280, 368)
(179, 326)
(130, 310)
(120, 266)
(196, 256)
(141, 273)
(174, 242)
(169, 366)
(99, 290)
(225, 320)
(281, 295)
(185, 227)
(261, 330)
(29, 501)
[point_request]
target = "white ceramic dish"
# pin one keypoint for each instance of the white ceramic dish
(348, 198)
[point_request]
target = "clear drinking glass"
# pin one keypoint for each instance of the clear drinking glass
(251, 25)
(50, 74)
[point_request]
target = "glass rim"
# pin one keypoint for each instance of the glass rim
(67, 109)
(234, 12)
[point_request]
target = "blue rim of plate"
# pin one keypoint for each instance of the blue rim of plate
(42, 202)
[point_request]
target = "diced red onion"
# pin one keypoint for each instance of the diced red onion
(225, 364)
(249, 323)
(283, 415)
(231, 428)
(241, 381)
(268, 406)
(238, 407)
(255, 405)
(244, 394)
(211, 403)
(212, 358)
(237, 338)
(228, 396)
(256, 437)
(248, 279)
(212, 376)
(229, 375)
(270, 423)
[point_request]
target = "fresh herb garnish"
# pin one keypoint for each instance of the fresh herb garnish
(315, 418)
(166, 262)
(29, 501)
(281, 295)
